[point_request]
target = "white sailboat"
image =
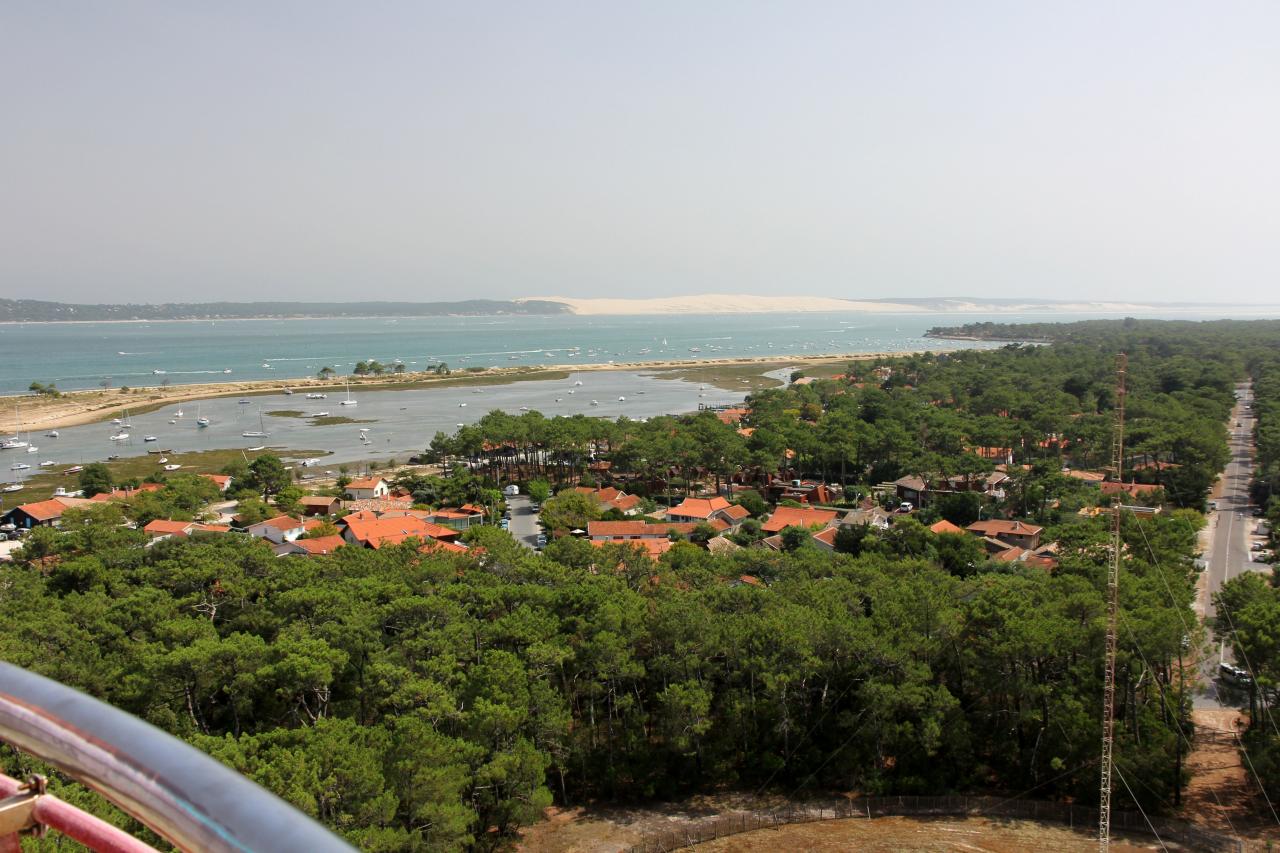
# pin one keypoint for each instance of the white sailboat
(15, 441)
(201, 420)
(348, 401)
(260, 432)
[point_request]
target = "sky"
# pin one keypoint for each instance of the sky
(191, 151)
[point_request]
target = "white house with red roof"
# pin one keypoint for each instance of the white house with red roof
(163, 528)
(368, 488)
(222, 481)
(44, 513)
(282, 528)
(707, 509)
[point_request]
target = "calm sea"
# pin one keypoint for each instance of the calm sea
(86, 355)
(394, 424)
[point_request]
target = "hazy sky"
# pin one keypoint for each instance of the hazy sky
(383, 150)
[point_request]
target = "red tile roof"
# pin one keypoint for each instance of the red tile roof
(945, 526)
(998, 527)
(320, 545)
(52, 508)
(394, 530)
(652, 547)
(126, 494)
(698, 507)
(365, 483)
(610, 497)
(167, 527)
(283, 523)
(221, 480)
(788, 516)
(827, 536)
(1131, 489)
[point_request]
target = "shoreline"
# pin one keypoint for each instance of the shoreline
(75, 408)
(985, 339)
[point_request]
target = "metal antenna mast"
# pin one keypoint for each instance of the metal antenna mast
(1113, 591)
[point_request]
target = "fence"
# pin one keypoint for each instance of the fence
(1195, 837)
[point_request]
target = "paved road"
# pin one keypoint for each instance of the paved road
(523, 526)
(1233, 527)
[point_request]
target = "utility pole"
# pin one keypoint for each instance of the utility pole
(1113, 594)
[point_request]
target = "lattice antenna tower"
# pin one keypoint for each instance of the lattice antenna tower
(1113, 594)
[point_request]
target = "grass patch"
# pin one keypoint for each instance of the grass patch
(729, 377)
(747, 377)
(330, 420)
(286, 413)
(40, 487)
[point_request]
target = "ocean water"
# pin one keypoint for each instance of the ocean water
(86, 355)
(82, 355)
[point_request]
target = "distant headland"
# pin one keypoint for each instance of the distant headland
(38, 311)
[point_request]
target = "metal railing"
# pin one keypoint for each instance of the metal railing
(183, 795)
(721, 826)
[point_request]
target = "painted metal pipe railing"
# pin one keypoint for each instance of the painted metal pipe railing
(191, 800)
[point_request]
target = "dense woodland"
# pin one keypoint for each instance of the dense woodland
(419, 701)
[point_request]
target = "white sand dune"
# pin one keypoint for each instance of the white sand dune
(739, 303)
(721, 303)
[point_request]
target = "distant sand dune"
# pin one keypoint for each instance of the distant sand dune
(729, 303)
(716, 303)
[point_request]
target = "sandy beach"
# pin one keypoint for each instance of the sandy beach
(72, 408)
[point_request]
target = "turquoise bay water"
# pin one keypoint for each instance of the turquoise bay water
(400, 422)
(83, 355)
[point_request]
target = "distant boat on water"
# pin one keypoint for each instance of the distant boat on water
(260, 432)
(348, 401)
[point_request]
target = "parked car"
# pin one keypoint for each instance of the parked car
(1233, 673)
